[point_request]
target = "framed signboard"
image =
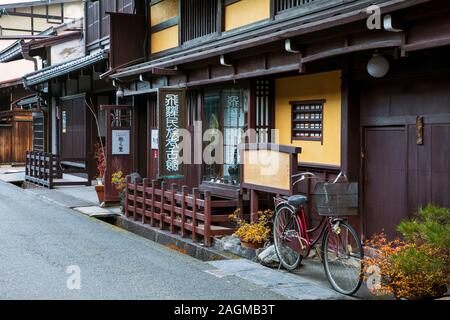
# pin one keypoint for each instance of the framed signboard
(120, 140)
(171, 106)
(154, 143)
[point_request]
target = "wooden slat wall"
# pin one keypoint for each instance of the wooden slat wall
(38, 131)
(22, 136)
(5, 144)
(98, 20)
(199, 18)
(281, 5)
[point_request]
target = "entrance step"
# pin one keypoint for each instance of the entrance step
(96, 212)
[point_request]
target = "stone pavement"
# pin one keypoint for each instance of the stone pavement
(308, 282)
(280, 282)
(42, 244)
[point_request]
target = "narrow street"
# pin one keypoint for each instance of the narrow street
(39, 241)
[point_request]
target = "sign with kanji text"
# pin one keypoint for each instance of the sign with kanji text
(171, 106)
(120, 142)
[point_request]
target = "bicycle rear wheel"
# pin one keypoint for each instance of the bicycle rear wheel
(287, 238)
(342, 254)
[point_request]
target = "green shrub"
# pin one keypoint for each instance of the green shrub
(417, 267)
(431, 226)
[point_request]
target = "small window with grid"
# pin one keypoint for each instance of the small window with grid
(307, 120)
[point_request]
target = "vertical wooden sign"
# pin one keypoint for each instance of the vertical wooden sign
(171, 109)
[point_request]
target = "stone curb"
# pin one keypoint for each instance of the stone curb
(184, 245)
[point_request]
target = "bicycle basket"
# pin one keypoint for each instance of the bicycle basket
(336, 199)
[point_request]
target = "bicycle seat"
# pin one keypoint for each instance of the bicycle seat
(297, 200)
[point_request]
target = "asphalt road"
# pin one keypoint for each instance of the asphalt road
(40, 241)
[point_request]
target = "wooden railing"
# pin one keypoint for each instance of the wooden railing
(174, 208)
(45, 169)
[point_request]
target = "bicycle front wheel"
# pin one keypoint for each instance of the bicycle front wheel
(342, 254)
(287, 238)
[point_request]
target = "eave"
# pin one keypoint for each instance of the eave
(14, 52)
(55, 71)
(307, 24)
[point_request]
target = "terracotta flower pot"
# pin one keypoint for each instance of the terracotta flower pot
(251, 245)
(100, 189)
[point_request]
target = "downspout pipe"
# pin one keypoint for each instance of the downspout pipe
(85, 7)
(26, 54)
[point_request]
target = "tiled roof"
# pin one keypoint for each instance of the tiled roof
(13, 52)
(51, 72)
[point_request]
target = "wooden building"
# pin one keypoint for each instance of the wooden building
(26, 29)
(389, 134)
(16, 108)
(300, 67)
(73, 91)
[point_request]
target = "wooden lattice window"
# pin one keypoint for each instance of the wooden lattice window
(38, 131)
(199, 18)
(263, 114)
(307, 120)
(281, 5)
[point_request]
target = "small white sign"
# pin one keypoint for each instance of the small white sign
(154, 138)
(120, 142)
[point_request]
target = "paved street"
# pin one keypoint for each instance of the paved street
(39, 240)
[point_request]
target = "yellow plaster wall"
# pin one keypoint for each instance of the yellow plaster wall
(72, 11)
(312, 87)
(245, 12)
(163, 11)
(164, 39)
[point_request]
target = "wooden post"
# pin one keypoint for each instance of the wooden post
(144, 199)
(50, 171)
(26, 163)
(163, 201)
(40, 165)
(134, 201)
(207, 213)
(240, 202)
(138, 181)
(183, 208)
(254, 206)
(172, 206)
(194, 212)
(127, 181)
(152, 208)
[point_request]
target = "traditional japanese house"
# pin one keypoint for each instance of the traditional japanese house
(73, 87)
(359, 88)
(25, 30)
(16, 108)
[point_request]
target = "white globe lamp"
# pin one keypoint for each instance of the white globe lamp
(378, 66)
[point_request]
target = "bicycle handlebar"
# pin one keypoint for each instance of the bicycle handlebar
(303, 176)
(310, 175)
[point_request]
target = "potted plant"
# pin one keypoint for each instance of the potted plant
(416, 267)
(253, 235)
(118, 180)
(100, 158)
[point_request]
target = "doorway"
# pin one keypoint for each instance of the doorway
(384, 179)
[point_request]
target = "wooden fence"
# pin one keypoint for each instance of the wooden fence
(15, 135)
(195, 214)
(45, 169)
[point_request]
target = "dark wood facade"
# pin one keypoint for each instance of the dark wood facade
(15, 135)
(404, 138)
(382, 120)
(379, 117)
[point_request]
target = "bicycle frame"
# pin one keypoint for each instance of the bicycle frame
(300, 215)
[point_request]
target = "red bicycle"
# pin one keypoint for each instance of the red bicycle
(341, 249)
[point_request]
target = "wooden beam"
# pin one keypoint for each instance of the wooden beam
(166, 71)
